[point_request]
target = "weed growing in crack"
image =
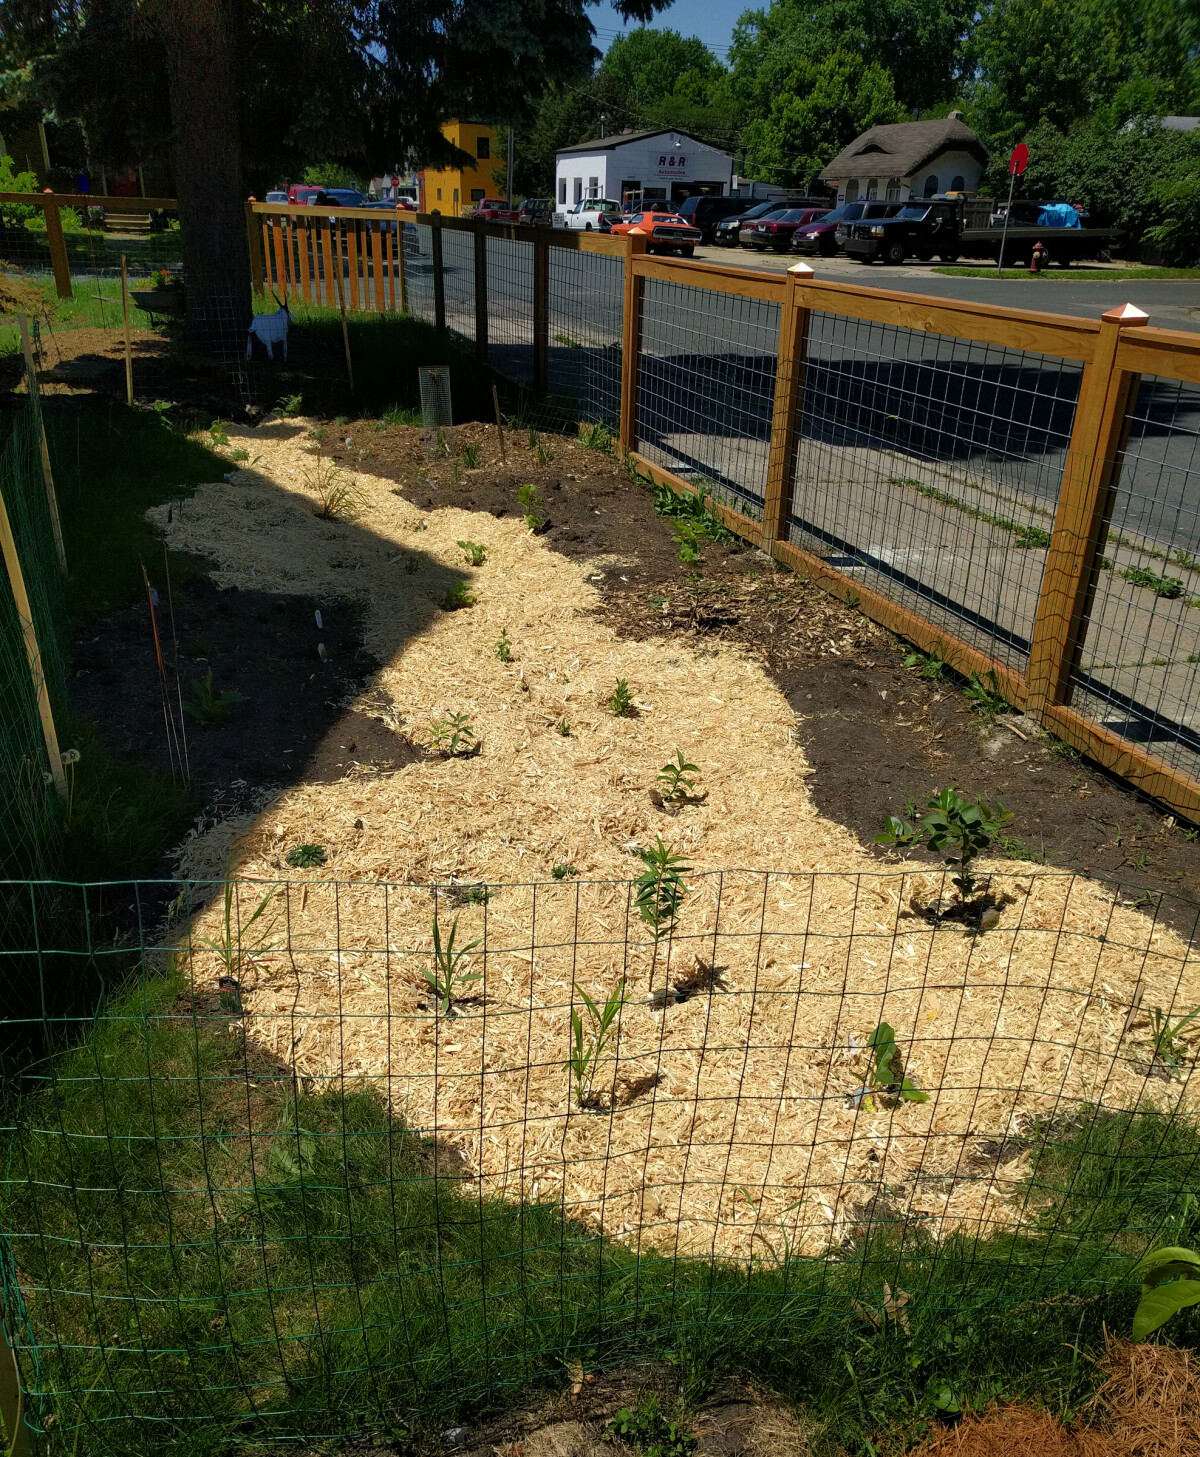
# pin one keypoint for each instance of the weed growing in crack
(1161, 586)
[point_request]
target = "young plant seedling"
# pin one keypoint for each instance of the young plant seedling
(985, 697)
(531, 504)
(564, 728)
(209, 708)
(306, 857)
(563, 872)
(473, 553)
(235, 944)
(458, 594)
(621, 699)
(1170, 1283)
(503, 646)
(470, 457)
(956, 827)
(674, 775)
(688, 537)
(1160, 586)
(338, 498)
(217, 433)
(586, 1048)
(660, 892)
(451, 736)
(1169, 1049)
(887, 1072)
(596, 437)
(446, 976)
(926, 666)
(646, 1429)
(289, 405)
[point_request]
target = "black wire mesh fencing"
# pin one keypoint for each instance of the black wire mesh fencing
(314, 1166)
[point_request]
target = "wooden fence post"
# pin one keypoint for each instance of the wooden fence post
(58, 246)
(401, 263)
(631, 343)
(1092, 468)
(439, 278)
(254, 240)
(789, 376)
(47, 473)
(541, 314)
(8, 548)
(481, 298)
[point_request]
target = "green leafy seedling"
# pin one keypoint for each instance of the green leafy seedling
(531, 504)
(218, 434)
(984, 696)
(446, 976)
(674, 775)
(1170, 1283)
(503, 646)
(587, 1045)
(473, 553)
(596, 437)
(458, 594)
(660, 890)
(470, 457)
(451, 736)
(235, 944)
(886, 1074)
(688, 537)
(926, 666)
(1161, 586)
(620, 700)
(289, 405)
(208, 708)
(1165, 1037)
(956, 827)
(654, 1435)
(306, 857)
(564, 728)
(563, 872)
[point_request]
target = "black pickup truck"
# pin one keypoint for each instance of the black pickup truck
(943, 227)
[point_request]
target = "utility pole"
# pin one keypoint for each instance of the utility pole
(510, 165)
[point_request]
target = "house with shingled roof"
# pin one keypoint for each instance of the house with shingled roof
(909, 159)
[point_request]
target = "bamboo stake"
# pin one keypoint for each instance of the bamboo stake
(17, 581)
(499, 426)
(337, 273)
(128, 347)
(187, 766)
(47, 473)
(168, 717)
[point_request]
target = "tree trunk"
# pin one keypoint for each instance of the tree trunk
(202, 73)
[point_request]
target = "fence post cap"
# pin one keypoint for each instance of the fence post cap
(802, 270)
(1126, 314)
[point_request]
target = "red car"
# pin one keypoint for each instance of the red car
(663, 231)
(496, 210)
(777, 230)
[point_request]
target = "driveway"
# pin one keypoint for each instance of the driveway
(1171, 303)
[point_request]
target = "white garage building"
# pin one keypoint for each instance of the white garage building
(665, 164)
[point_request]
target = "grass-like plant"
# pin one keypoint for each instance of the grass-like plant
(503, 646)
(530, 499)
(469, 455)
(474, 554)
(458, 594)
(926, 666)
(1161, 586)
(620, 700)
(659, 893)
(446, 976)
(956, 827)
(587, 1045)
(984, 696)
(306, 857)
(1165, 1038)
(399, 415)
(674, 774)
(563, 728)
(338, 498)
(887, 1070)
(596, 437)
(209, 708)
(236, 945)
(451, 736)
(695, 511)
(1170, 1283)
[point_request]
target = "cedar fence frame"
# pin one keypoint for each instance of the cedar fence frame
(1114, 351)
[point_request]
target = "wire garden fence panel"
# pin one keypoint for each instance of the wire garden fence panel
(277, 1186)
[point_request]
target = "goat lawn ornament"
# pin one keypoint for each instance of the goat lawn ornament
(271, 329)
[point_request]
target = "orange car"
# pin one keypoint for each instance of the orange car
(664, 231)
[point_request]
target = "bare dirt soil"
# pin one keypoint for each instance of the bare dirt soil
(877, 735)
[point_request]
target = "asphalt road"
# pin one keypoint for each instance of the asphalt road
(1171, 303)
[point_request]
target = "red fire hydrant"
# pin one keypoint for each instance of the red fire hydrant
(1039, 257)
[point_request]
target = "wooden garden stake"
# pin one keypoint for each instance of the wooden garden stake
(128, 348)
(16, 580)
(499, 426)
(47, 473)
(337, 273)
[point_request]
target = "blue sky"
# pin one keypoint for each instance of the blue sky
(711, 20)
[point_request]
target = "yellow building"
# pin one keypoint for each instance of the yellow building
(451, 189)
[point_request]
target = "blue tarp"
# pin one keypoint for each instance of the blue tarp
(1058, 215)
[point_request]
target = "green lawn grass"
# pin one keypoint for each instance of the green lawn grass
(208, 1251)
(1077, 272)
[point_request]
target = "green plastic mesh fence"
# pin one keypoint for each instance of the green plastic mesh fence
(341, 1157)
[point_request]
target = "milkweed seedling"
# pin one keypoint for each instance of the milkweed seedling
(446, 975)
(621, 699)
(660, 893)
(674, 775)
(588, 1046)
(563, 872)
(503, 646)
(306, 857)
(458, 594)
(209, 708)
(887, 1072)
(1170, 1283)
(473, 553)
(451, 736)
(531, 504)
(957, 828)
(470, 456)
